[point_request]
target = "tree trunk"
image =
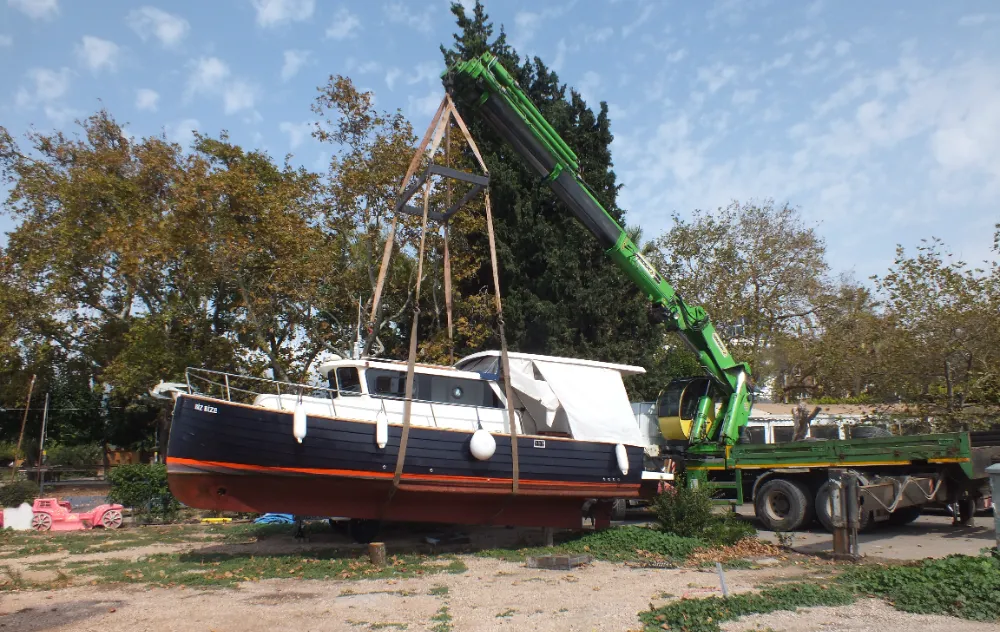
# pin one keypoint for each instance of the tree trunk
(802, 420)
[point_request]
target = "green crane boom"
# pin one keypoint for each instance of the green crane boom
(482, 85)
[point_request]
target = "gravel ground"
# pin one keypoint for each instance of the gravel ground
(869, 615)
(491, 595)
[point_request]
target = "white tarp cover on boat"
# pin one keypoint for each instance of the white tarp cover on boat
(592, 400)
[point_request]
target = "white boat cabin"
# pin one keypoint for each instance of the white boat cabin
(554, 396)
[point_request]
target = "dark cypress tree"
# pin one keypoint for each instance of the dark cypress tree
(562, 295)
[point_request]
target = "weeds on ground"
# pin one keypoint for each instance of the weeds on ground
(225, 569)
(617, 544)
(705, 615)
(959, 585)
(442, 620)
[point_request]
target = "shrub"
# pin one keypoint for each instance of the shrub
(13, 494)
(690, 512)
(77, 456)
(143, 487)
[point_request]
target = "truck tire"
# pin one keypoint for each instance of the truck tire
(619, 509)
(824, 511)
(906, 515)
(783, 505)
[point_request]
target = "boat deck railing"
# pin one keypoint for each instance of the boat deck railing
(245, 389)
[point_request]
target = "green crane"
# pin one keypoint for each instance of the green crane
(705, 413)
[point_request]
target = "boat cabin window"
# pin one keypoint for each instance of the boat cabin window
(440, 389)
(350, 383)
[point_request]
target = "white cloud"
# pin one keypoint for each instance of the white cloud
(391, 76)
(297, 132)
(399, 13)
(716, 75)
(425, 106)
(815, 8)
(149, 22)
(146, 99)
(36, 9)
(345, 24)
(643, 17)
(96, 53)
(210, 76)
(677, 55)
(977, 19)
(816, 50)
(60, 115)
(745, 97)
(600, 34)
(841, 48)
(6, 40)
(527, 23)
(589, 86)
(294, 60)
(207, 76)
(238, 95)
(800, 34)
(428, 71)
(182, 132)
(277, 12)
(49, 86)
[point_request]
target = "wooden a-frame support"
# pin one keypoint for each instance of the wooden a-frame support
(440, 128)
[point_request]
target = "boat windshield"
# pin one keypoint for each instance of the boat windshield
(441, 389)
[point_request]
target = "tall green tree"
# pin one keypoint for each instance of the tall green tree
(561, 294)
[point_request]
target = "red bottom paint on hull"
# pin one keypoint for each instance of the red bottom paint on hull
(373, 499)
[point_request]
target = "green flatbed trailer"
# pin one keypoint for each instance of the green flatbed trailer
(788, 483)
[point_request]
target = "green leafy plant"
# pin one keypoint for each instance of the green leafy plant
(958, 585)
(13, 494)
(619, 544)
(143, 487)
(705, 615)
(689, 512)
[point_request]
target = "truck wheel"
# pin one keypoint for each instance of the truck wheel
(906, 515)
(618, 509)
(783, 505)
(824, 510)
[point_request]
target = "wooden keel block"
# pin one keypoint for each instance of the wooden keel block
(376, 554)
(559, 562)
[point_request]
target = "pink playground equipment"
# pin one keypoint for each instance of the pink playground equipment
(52, 514)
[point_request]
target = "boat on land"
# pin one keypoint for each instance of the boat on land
(256, 445)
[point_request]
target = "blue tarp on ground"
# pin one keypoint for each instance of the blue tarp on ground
(275, 518)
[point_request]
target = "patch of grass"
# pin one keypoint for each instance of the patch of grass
(958, 585)
(93, 541)
(705, 615)
(506, 614)
(383, 626)
(617, 544)
(442, 620)
(225, 569)
(438, 591)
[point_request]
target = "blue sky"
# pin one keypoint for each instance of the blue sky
(879, 120)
